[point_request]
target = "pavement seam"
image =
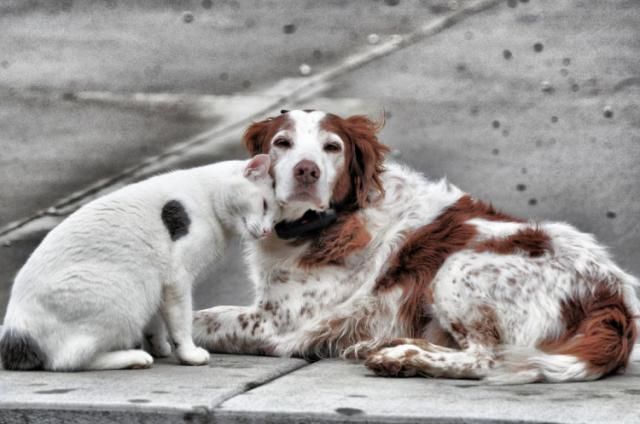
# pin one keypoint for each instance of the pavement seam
(254, 384)
(303, 89)
(314, 417)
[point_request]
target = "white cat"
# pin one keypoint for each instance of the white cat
(121, 262)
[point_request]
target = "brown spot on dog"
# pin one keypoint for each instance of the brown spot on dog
(244, 321)
(485, 331)
(530, 241)
(409, 353)
(436, 335)
(459, 328)
(600, 330)
(212, 323)
(267, 306)
(279, 276)
(256, 325)
(335, 243)
(213, 326)
(424, 251)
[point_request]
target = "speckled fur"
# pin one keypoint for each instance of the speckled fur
(489, 313)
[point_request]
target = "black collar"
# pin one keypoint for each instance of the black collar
(310, 223)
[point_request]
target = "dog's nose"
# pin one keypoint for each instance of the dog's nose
(306, 172)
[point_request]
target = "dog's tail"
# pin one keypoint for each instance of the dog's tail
(20, 351)
(600, 343)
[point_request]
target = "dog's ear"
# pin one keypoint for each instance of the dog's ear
(366, 158)
(256, 137)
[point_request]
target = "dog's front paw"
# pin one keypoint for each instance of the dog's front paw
(192, 355)
(392, 362)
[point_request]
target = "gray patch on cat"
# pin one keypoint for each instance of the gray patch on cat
(176, 219)
(19, 351)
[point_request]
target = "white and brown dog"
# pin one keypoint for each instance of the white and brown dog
(374, 261)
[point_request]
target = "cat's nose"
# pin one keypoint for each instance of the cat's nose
(266, 232)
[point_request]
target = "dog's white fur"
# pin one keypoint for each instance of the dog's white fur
(307, 141)
(323, 310)
(84, 296)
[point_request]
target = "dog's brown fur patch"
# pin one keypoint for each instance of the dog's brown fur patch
(425, 250)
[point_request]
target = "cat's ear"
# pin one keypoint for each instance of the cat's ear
(258, 167)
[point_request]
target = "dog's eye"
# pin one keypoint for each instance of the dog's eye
(282, 143)
(332, 147)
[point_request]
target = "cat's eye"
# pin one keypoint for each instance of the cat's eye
(332, 147)
(265, 207)
(282, 143)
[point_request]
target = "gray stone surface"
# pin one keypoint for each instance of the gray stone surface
(253, 389)
(52, 147)
(164, 393)
(148, 46)
(335, 390)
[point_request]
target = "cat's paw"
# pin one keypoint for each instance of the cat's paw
(140, 360)
(160, 349)
(157, 344)
(192, 355)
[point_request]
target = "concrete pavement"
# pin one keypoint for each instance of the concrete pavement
(348, 392)
(251, 389)
(165, 393)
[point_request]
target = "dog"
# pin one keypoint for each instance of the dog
(374, 261)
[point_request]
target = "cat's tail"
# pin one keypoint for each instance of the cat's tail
(20, 351)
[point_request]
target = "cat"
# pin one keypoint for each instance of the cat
(125, 263)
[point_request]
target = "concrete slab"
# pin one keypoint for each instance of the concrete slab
(52, 146)
(189, 45)
(165, 393)
(338, 391)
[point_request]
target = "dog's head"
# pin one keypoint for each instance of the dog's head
(320, 160)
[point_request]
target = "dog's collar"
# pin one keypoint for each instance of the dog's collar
(310, 223)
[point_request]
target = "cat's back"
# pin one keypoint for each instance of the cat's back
(121, 228)
(128, 227)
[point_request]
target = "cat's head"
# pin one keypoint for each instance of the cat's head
(256, 206)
